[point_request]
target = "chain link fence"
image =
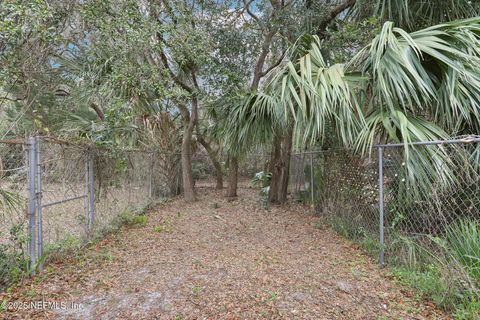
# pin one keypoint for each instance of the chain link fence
(430, 204)
(422, 212)
(434, 187)
(55, 194)
(13, 210)
(343, 188)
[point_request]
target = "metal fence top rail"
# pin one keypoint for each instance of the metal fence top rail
(469, 139)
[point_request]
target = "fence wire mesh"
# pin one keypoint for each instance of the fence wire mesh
(55, 194)
(432, 208)
(345, 195)
(299, 183)
(63, 192)
(13, 209)
(123, 181)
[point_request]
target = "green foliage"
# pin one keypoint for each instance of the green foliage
(401, 88)
(262, 179)
(196, 290)
(468, 310)
(9, 201)
(199, 169)
(416, 71)
(130, 219)
(463, 240)
(248, 120)
(348, 37)
(445, 269)
(429, 283)
(68, 245)
(312, 94)
(416, 14)
(14, 262)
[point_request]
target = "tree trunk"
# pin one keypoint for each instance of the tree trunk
(216, 164)
(232, 177)
(286, 153)
(174, 177)
(280, 168)
(187, 175)
(274, 168)
(257, 76)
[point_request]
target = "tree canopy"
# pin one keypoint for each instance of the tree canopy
(235, 75)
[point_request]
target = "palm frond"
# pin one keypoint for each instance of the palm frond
(414, 14)
(247, 120)
(314, 94)
(432, 74)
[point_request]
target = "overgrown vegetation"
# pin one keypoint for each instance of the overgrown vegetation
(443, 268)
(14, 261)
(237, 76)
(439, 273)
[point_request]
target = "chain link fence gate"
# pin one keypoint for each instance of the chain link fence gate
(14, 164)
(54, 194)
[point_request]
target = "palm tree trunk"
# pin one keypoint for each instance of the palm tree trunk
(274, 168)
(280, 168)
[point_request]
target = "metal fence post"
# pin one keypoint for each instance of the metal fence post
(91, 194)
(87, 193)
(311, 177)
(38, 195)
(150, 181)
(32, 159)
(381, 208)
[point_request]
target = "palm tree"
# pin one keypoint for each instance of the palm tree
(402, 87)
(413, 14)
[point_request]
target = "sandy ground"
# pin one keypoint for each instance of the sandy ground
(215, 259)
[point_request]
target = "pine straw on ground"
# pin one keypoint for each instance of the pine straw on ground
(216, 259)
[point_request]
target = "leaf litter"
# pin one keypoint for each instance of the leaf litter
(220, 259)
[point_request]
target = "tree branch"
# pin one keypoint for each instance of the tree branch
(175, 78)
(333, 14)
(253, 15)
(273, 66)
(258, 72)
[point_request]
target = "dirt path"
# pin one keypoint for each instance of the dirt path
(222, 260)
